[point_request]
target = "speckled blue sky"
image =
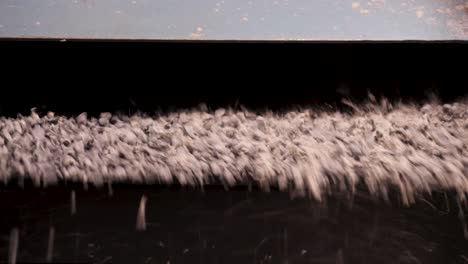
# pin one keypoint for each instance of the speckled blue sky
(235, 19)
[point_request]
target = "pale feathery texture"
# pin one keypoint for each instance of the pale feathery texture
(415, 149)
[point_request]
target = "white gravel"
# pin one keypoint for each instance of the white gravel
(415, 149)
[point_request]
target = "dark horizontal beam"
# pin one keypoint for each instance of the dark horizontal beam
(95, 76)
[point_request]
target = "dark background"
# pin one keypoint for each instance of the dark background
(186, 225)
(218, 226)
(94, 76)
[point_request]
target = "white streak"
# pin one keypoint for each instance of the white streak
(73, 203)
(141, 215)
(50, 245)
(14, 243)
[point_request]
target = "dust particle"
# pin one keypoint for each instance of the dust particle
(364, 11)
(419, 13)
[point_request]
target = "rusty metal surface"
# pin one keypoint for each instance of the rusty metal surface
(237, 20)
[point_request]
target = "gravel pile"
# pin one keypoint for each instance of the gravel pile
(308, 151)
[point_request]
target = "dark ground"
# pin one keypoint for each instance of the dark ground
(236, 226)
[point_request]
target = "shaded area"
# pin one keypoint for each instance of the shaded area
(74, 77)
(236, 226)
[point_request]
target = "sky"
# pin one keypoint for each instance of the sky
(236, 19)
